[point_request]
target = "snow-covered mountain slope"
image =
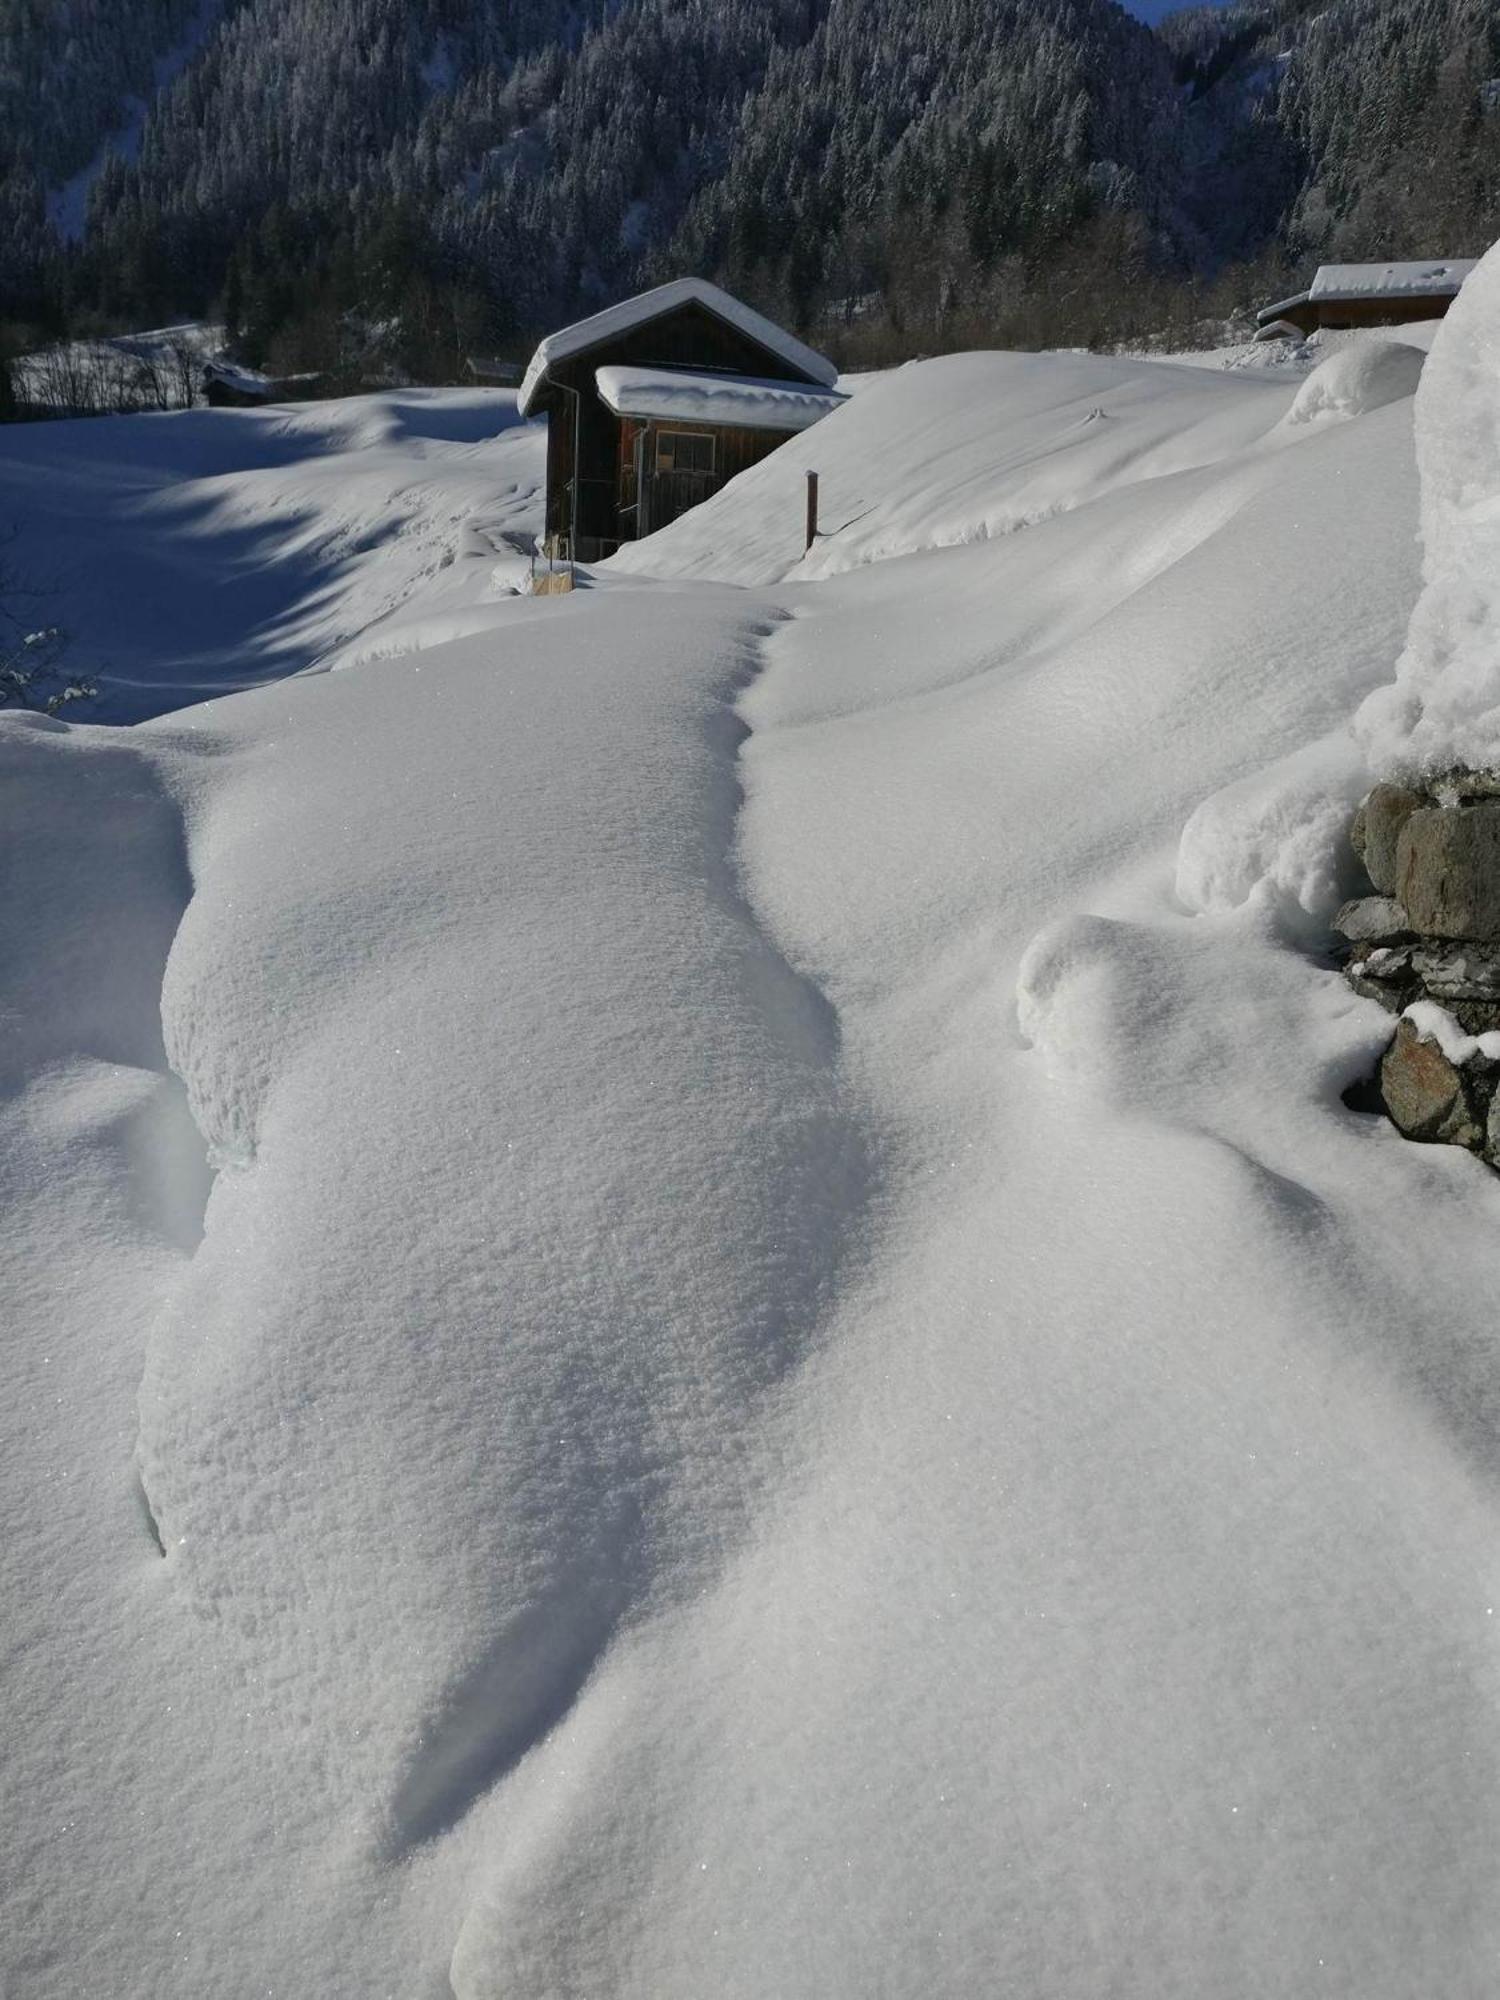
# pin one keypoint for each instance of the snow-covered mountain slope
(691, 1308)
(205, 550)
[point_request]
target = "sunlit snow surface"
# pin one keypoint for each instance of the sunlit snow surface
(712, 1222)
(1445, 706)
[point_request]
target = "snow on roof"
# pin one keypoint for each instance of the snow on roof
(629, 313)
(1273, 327)
(751, 402)
(1268, 313)
(249, 381)
(1431, 279)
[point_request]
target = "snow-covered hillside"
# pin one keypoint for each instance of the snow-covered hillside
(205, 550)
(690, 1309)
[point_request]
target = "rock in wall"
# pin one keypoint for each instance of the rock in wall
(1426, 944)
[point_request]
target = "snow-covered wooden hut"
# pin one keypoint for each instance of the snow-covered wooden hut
(1350, 295)
(654, 403)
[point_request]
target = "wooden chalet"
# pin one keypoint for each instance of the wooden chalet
(653, 404)
(1351, 295)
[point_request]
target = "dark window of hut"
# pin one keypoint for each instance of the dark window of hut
(684, 451)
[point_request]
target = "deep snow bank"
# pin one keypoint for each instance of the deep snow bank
(531, 1180)
(965, 449)
(1120, 1622)
(1444, 708)
(615, 1544)
(1355, 379)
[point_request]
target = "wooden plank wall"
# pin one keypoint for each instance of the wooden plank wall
(735, 450)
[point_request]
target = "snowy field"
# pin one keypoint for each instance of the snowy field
(206, 550)
(690, 1310)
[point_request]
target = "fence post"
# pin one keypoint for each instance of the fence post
(812, 511)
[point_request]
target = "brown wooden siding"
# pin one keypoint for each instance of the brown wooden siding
(1337, 314)
(735, 450)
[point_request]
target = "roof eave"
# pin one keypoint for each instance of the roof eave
(1282, 307)
(738, 422)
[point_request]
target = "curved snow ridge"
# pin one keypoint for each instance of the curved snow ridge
(552, 1173)
(93, 839)
(524, 1683)
(95, 835)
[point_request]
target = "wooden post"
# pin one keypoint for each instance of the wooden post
(812, 511)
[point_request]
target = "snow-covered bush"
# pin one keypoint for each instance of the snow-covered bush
(32, 670)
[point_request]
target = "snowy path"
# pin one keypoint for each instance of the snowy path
(1122, 1620)
(505, 1407)
(796, 1382)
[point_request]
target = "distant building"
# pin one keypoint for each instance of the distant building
(1351, 295)
(653, 404)
(228, 386)
(490, 368)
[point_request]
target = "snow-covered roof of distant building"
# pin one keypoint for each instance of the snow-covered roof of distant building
(646, 306)
(249, 381)
(749, 402)
(1271, 326)
(1434, 278)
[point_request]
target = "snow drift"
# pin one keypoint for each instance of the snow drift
(770, 1365)
(1444, 708)
(1362, 376)
(190, 554)
(966, 449)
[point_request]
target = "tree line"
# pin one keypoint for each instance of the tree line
(375, 189)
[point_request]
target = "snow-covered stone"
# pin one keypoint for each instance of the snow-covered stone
(1373, 920)
(1454, 972)
(1384, 975)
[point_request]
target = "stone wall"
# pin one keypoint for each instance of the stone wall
(1426, 944)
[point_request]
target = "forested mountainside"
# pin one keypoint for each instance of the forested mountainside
(1364, 129)
(413, 178)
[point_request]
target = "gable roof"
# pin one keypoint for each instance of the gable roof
(646, 306)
